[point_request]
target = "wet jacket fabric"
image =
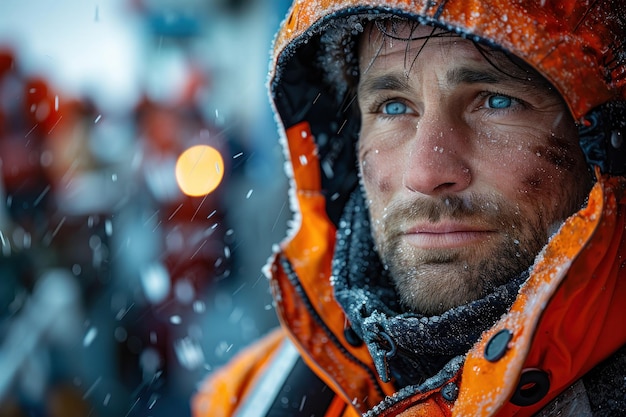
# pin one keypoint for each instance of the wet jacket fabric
(560, 342)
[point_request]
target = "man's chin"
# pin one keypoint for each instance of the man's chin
(437, 287)
(435, 280)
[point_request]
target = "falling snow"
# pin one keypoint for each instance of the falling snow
(90, 336)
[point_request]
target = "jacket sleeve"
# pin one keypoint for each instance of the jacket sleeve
(221, 393)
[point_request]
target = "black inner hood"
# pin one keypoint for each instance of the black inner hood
(304, 88)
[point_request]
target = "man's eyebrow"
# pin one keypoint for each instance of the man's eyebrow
(463, 75)
(392, 82)
(455, 76)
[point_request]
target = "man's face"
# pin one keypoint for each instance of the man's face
(468, 162)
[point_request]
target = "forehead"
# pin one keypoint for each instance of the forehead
(390, 38)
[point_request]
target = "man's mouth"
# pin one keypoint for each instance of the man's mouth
(446, 235)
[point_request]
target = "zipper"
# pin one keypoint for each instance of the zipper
(294, 280)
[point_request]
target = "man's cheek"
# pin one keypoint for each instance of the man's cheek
(541, 188)
(560, 158)
(376, 175)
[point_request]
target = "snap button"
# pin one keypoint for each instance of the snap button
(533, 385)
(450, 392)
(352, 338)
(498, 345)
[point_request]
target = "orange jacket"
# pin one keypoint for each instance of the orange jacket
(567, 317)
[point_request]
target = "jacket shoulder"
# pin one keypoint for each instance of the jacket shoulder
(221, 393)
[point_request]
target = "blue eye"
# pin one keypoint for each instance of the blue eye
(395, 107)
(499, 102)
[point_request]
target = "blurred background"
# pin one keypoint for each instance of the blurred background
(142, 190)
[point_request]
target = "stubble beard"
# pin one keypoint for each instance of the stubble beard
(432, 281)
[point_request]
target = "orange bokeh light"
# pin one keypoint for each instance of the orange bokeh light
(199, 170)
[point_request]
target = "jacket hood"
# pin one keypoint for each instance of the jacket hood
(578, 46)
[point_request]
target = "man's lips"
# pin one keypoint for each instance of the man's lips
(446, 235)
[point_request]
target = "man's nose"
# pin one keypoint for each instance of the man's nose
(437, 161)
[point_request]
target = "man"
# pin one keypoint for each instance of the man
(459, 196)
